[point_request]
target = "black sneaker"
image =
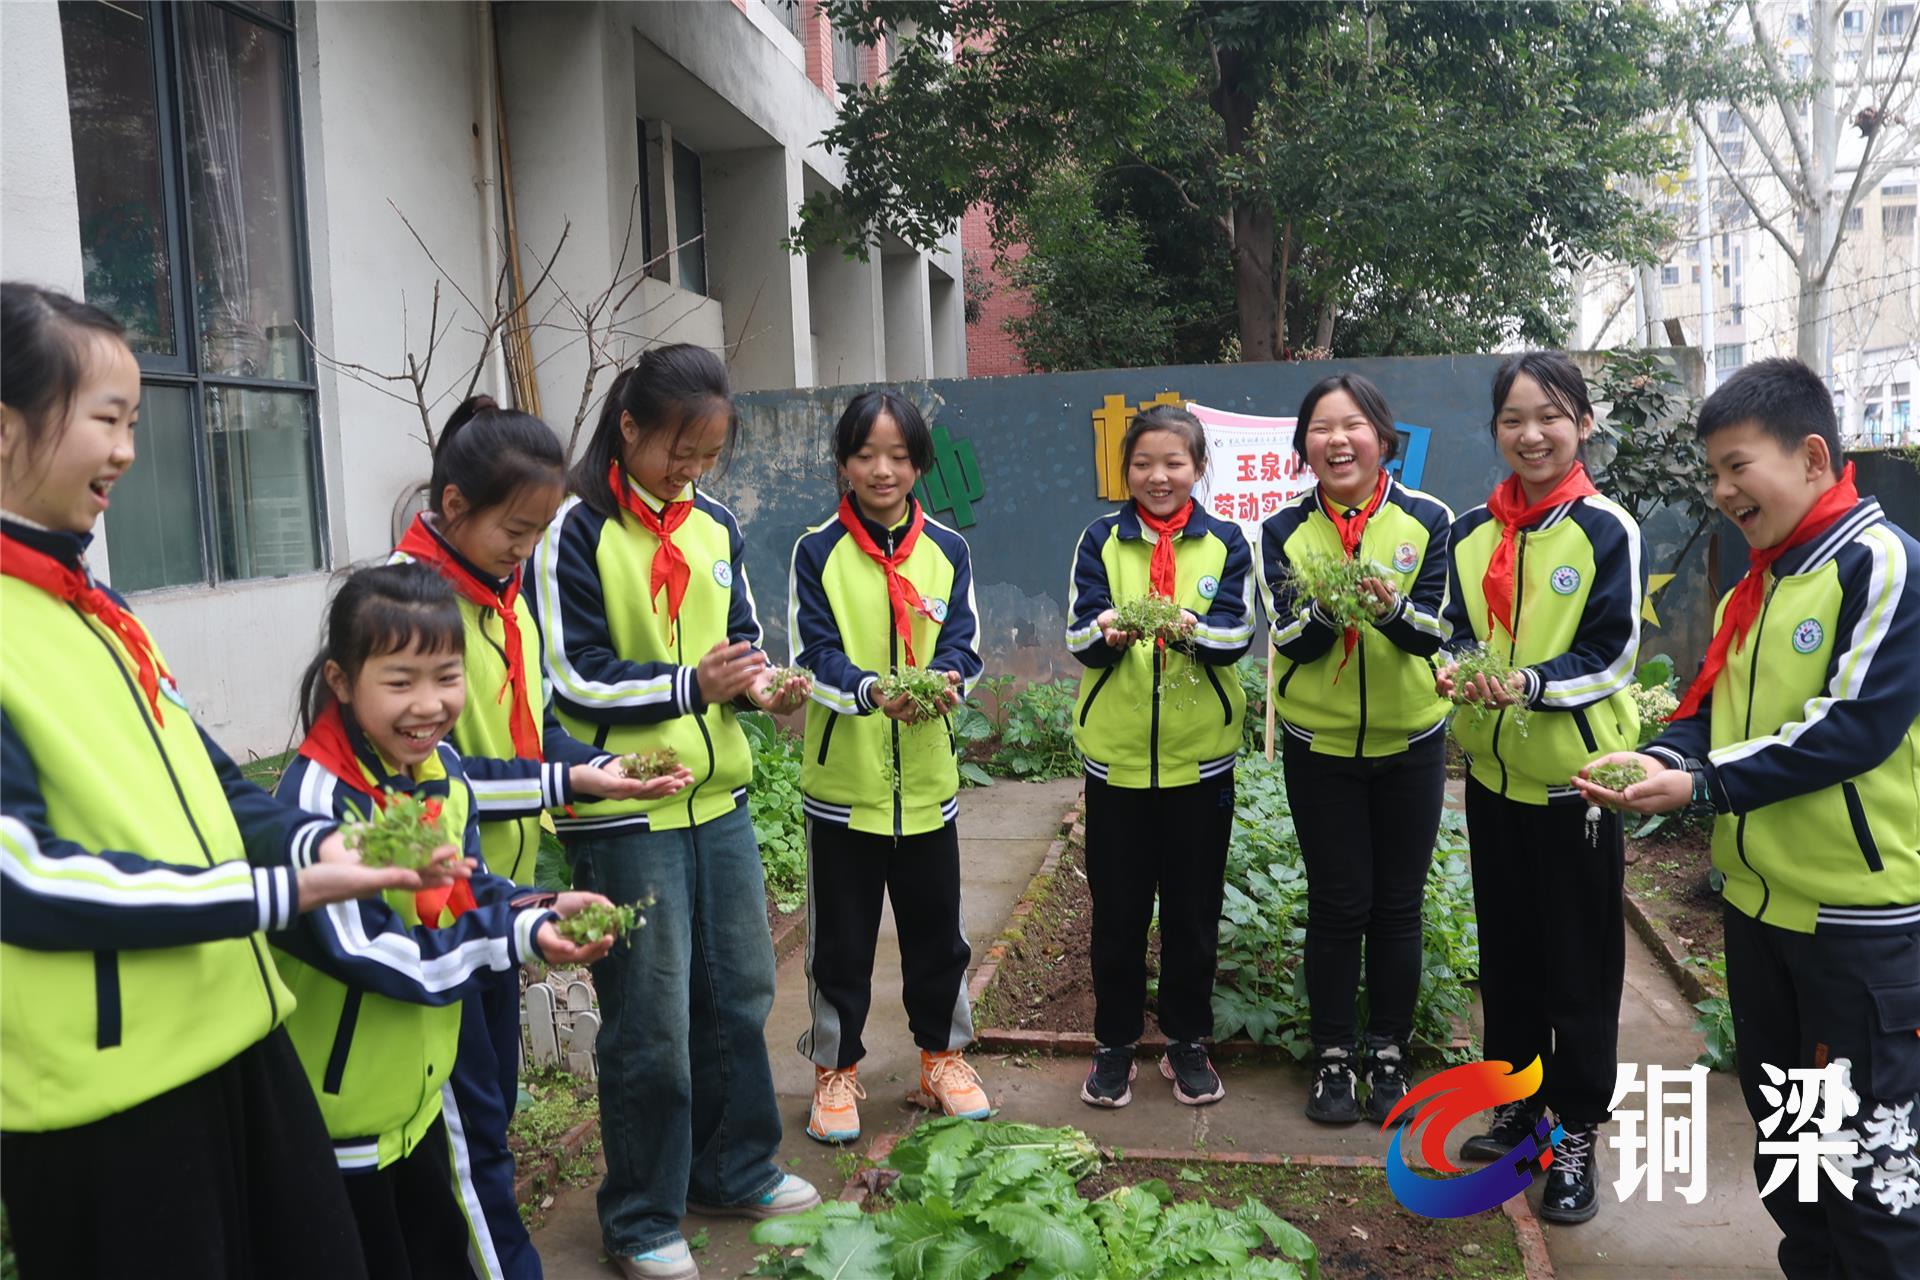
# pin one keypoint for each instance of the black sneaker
(1195, 1082)
(1512, 1122)
(1109, 1081)
(1387, 1080)
(1572, 1192)
(1330, 1099)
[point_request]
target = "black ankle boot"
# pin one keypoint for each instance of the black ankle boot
(1387, 1080)
(1512, 1121)
(1330, 1099)
(1572, 1191)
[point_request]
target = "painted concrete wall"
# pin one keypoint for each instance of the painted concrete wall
(1034, 439)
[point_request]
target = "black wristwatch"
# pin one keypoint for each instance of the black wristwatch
(1702, 799)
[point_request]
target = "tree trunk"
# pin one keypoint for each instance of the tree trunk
(1254, 267)
(1652, 307)
(1814, 309)
(1253, 281)
(1323, 335)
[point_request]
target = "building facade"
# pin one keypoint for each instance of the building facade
(305, 212)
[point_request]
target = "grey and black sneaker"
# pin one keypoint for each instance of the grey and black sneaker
(1572, 1192)
(1109, 1081)
(1195, 1082)
(1512, 1122)
(1330, 1098)
(1387, 1080)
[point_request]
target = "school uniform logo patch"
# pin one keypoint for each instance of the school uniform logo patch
(1808, 635)
(723, 573)
(1566, 579)
(1405, 558)
(936, 609)
(1209, 587)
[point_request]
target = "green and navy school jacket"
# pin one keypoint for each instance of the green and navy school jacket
(840, 625)
(140, 872)
(1384, 700)
(1131, 729)
(1810, 740)
(1580, 579)
(510, 792)
(379, 993)
(620, 680)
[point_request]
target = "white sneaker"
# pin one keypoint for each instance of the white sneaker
(671, 1261)
(789, 1195)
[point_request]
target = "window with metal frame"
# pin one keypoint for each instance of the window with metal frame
(187, 175)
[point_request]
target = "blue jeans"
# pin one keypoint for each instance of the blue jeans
(687, 1109)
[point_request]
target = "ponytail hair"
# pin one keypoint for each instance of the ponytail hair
(377, 611)
(489, 453)
(667, 390)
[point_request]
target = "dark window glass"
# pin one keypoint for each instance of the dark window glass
(689, 215)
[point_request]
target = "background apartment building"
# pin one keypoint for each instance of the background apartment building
(269, 194)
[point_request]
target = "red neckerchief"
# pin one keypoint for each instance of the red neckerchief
(669, 562)
(1743, 606)
(427, 546)
(901, 594)
(1508, 504)
(37, 568)
(1161, 575)
(329, 745)
(1350, 528)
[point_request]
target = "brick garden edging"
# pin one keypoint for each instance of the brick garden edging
(1666, 948)
(537, 1174)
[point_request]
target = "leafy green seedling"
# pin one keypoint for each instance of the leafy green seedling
(655, 763)
(925, 690)
(403, 832)
(1617, 777)
(598, 920)
(1334, 581)
(1482, 661)
(1151, 617)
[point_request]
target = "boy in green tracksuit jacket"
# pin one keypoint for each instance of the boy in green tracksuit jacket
(1801, 733)
(877, 590)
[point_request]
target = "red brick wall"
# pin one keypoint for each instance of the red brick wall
(991, 350)
(816, 33)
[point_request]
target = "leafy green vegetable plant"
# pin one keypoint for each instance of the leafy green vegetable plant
(1334, 581)
(1479, 660)
(990, 1199)
(1152, 617)
(596, 920)
(657, 762)
(403, 832)
(773, 802)
(1617, 777)
(925, 690)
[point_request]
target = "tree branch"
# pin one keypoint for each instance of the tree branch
(1783, 98)
(1746, 193)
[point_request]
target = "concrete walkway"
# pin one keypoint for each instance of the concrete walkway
(1004, 833)
(1006, 830)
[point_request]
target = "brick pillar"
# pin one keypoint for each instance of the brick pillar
(816, 33)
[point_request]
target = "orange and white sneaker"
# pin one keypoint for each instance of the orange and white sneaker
(835, 1114)
(950, 1084)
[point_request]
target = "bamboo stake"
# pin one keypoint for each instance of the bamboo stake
(1270, 713)
(516, 336)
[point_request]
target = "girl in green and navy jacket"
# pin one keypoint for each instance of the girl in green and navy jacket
(881, 588)
(1159, 727)
(1549, 576)
(152, 1111)
(1801, 735)
(381, 983)
(650, 641)
(1363, 734)
(498, 478)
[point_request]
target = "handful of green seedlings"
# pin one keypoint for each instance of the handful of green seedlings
(781, 677)
(1617, 777)
(403, 832)
(1335, 581)
(599, 920)
(1151, 617)
(925, 690)
(655, 763)
(1482, 661)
